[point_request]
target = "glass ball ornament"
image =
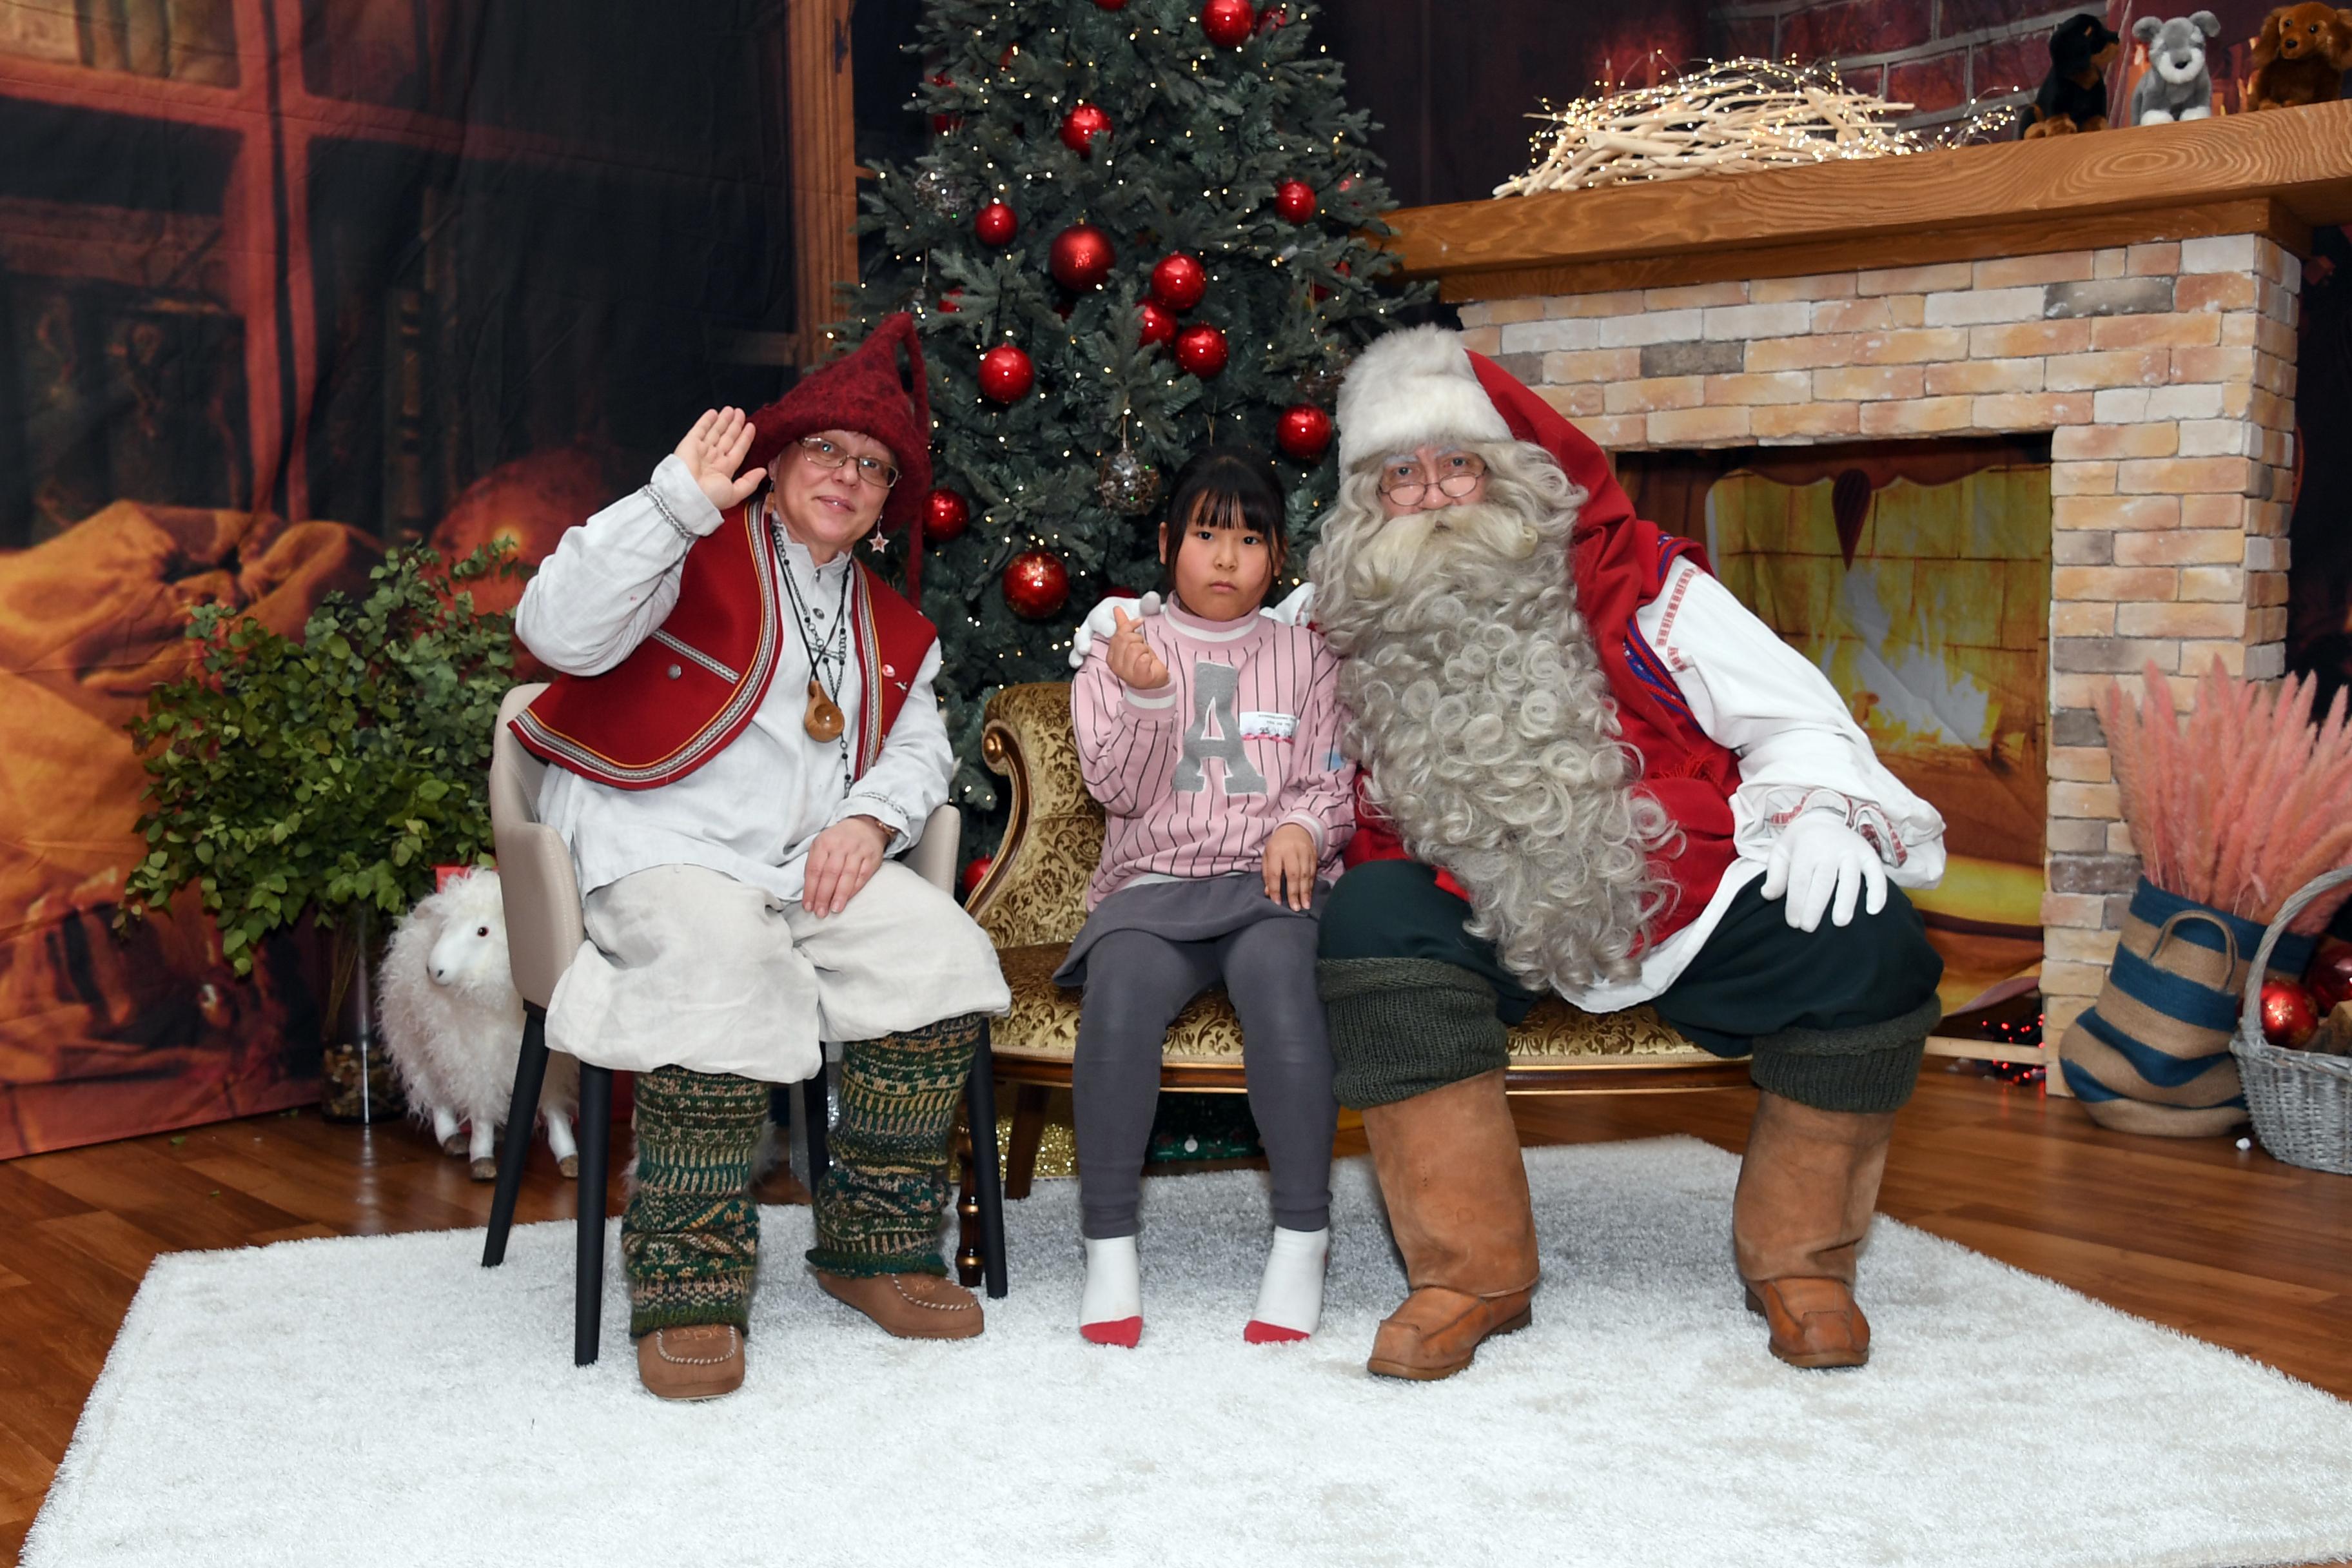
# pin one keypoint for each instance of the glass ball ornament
(1295, 200)
(1037, 584)
(946, 515)
(1081, 257)
(996, 224)
(1179, 282)
(1201, 351)
(1081, 125)
(1159, 325)
(1228, 23)
(2289, 1016)
(942, 194)
(1126, 483)
(1304, 432)
(1006, 374)
(942, 123)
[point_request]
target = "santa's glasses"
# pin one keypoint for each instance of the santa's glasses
(1405, 481)
(825, 454)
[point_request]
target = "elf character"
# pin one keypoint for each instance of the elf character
(745, 738)
(1588, 769)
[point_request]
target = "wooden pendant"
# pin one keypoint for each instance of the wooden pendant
(824, 721)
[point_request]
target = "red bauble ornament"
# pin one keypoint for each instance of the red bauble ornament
(948, 306)
(1112, 4)
(2329, 977)
(1270, 19)
(2289, 1015)
(1178, 282)
(1228, 23)
(1081, 125)
(996, 224)
(1158, 326)
(1081, 257)
(1295, 199)
(945, 122)
(1304, 432)
(945, 515)
(976, 869)
(1036, 584)
(1201, 350)
(1006, 373)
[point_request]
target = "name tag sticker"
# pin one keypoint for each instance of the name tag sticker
(1270, 726)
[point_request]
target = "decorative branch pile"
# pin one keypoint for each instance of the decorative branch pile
(2246, 803)
(1727, 118)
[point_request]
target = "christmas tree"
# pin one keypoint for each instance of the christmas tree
(1138, 226)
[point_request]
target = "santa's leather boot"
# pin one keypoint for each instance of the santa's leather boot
(1806, 1191)
(1450, 1171)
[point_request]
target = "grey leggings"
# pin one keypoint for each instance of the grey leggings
(1135, 985)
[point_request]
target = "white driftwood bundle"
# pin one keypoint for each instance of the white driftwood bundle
(1727, 118)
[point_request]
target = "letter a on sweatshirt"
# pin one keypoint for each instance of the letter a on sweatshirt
(1216, 694)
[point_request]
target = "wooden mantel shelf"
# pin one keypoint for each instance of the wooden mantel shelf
(2277, 173)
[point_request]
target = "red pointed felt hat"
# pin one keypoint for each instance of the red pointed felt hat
(876, 389)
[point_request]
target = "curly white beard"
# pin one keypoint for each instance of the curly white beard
(1480, 711)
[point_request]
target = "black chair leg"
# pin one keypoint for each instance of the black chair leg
(980, 1096)
(595, 1148)
(522, 1112)
(813, 1114)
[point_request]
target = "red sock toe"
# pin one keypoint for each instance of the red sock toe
(1118, 1332)
(1264, 1333)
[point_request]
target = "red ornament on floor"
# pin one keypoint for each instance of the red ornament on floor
(1228, 23)
(2289, 1016)
(996, 224)
(1201, 351)
(1081, 125)
(1036, 584)
(1295, 199)
(945, 515)
(1158, 326)
(1178, 282)
(1006, 373)
(976, 869)
(1081, 257)
(1304, 432)
(945, 122)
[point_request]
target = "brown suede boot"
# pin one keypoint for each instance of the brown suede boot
(1456, 1190)
(1806, 1191)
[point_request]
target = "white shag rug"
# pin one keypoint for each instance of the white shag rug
(385, 1400)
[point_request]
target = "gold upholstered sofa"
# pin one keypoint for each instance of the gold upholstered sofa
(1032, 899)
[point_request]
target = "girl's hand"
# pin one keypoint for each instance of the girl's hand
(714, 449)
(841, 862)
(1290, 866)
(1131, 658)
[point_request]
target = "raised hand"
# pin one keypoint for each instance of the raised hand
(1131, 658)
(1101, 621)
(1290, 866)
(714, 449)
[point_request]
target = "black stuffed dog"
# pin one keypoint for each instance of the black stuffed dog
(2073, 96)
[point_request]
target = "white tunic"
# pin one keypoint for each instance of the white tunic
(750, 811)
(1799, 750)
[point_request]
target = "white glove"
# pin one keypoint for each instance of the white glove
(1816, 856)
(1294, 610)
(1101, 621)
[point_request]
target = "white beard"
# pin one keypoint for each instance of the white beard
(1479, 708)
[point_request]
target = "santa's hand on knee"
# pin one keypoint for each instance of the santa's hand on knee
(1102, 623)
(1818, 859)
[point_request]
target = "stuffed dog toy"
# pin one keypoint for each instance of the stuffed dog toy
(2300, 56)
(2073, 96)
(2177, 85)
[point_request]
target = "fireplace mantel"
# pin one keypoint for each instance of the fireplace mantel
(2276, 174)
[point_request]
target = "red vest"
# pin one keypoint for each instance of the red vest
(693, 685)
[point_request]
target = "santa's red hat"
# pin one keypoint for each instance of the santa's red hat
(877, 390)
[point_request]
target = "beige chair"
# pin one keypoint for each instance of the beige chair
(541, 895)
(1033, 901)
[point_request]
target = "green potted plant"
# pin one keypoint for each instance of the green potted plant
(327, 774)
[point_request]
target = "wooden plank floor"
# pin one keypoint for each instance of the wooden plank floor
(2228, 1246)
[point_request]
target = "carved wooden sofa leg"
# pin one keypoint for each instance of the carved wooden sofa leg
(1028, 1132)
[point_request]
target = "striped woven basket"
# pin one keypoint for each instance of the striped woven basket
(2301, 1101)
(2153, 1052)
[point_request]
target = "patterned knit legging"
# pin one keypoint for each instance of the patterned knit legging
(880, 1207)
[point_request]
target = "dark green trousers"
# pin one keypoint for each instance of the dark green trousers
(1836, 1018)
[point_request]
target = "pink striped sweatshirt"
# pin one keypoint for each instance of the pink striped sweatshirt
(1197, 775)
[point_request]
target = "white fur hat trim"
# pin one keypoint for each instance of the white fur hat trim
(1409, 387)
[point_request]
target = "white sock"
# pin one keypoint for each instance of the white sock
(1290, 1296)
(1114, 1288)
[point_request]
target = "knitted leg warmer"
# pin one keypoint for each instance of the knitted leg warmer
(690, 1236)
(1403, 1026)
(878, 1208)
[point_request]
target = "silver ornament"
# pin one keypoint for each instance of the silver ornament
(1126, 484)
(941, 193)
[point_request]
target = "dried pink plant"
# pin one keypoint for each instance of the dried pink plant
(2245, 802)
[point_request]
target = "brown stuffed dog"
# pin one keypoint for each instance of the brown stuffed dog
(2301, 57)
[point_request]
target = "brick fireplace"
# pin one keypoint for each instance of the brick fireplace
(2153, 347)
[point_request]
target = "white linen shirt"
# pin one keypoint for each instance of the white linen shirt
(750, 811)
(1798, 748)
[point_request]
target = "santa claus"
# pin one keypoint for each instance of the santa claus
(1589, 770)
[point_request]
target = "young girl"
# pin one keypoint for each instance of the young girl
(1210, 735)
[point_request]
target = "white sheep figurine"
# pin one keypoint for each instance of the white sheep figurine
(452, 1025)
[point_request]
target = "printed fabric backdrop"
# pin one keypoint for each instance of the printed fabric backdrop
(281, 284)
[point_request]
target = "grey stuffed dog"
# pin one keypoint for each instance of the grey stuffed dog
(2178, 86)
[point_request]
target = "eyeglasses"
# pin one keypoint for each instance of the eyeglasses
(826, 455)
(1405, 481)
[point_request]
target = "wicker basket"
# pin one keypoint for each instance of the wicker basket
(2301, 1101)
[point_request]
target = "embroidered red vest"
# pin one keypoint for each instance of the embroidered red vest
(693, 685)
